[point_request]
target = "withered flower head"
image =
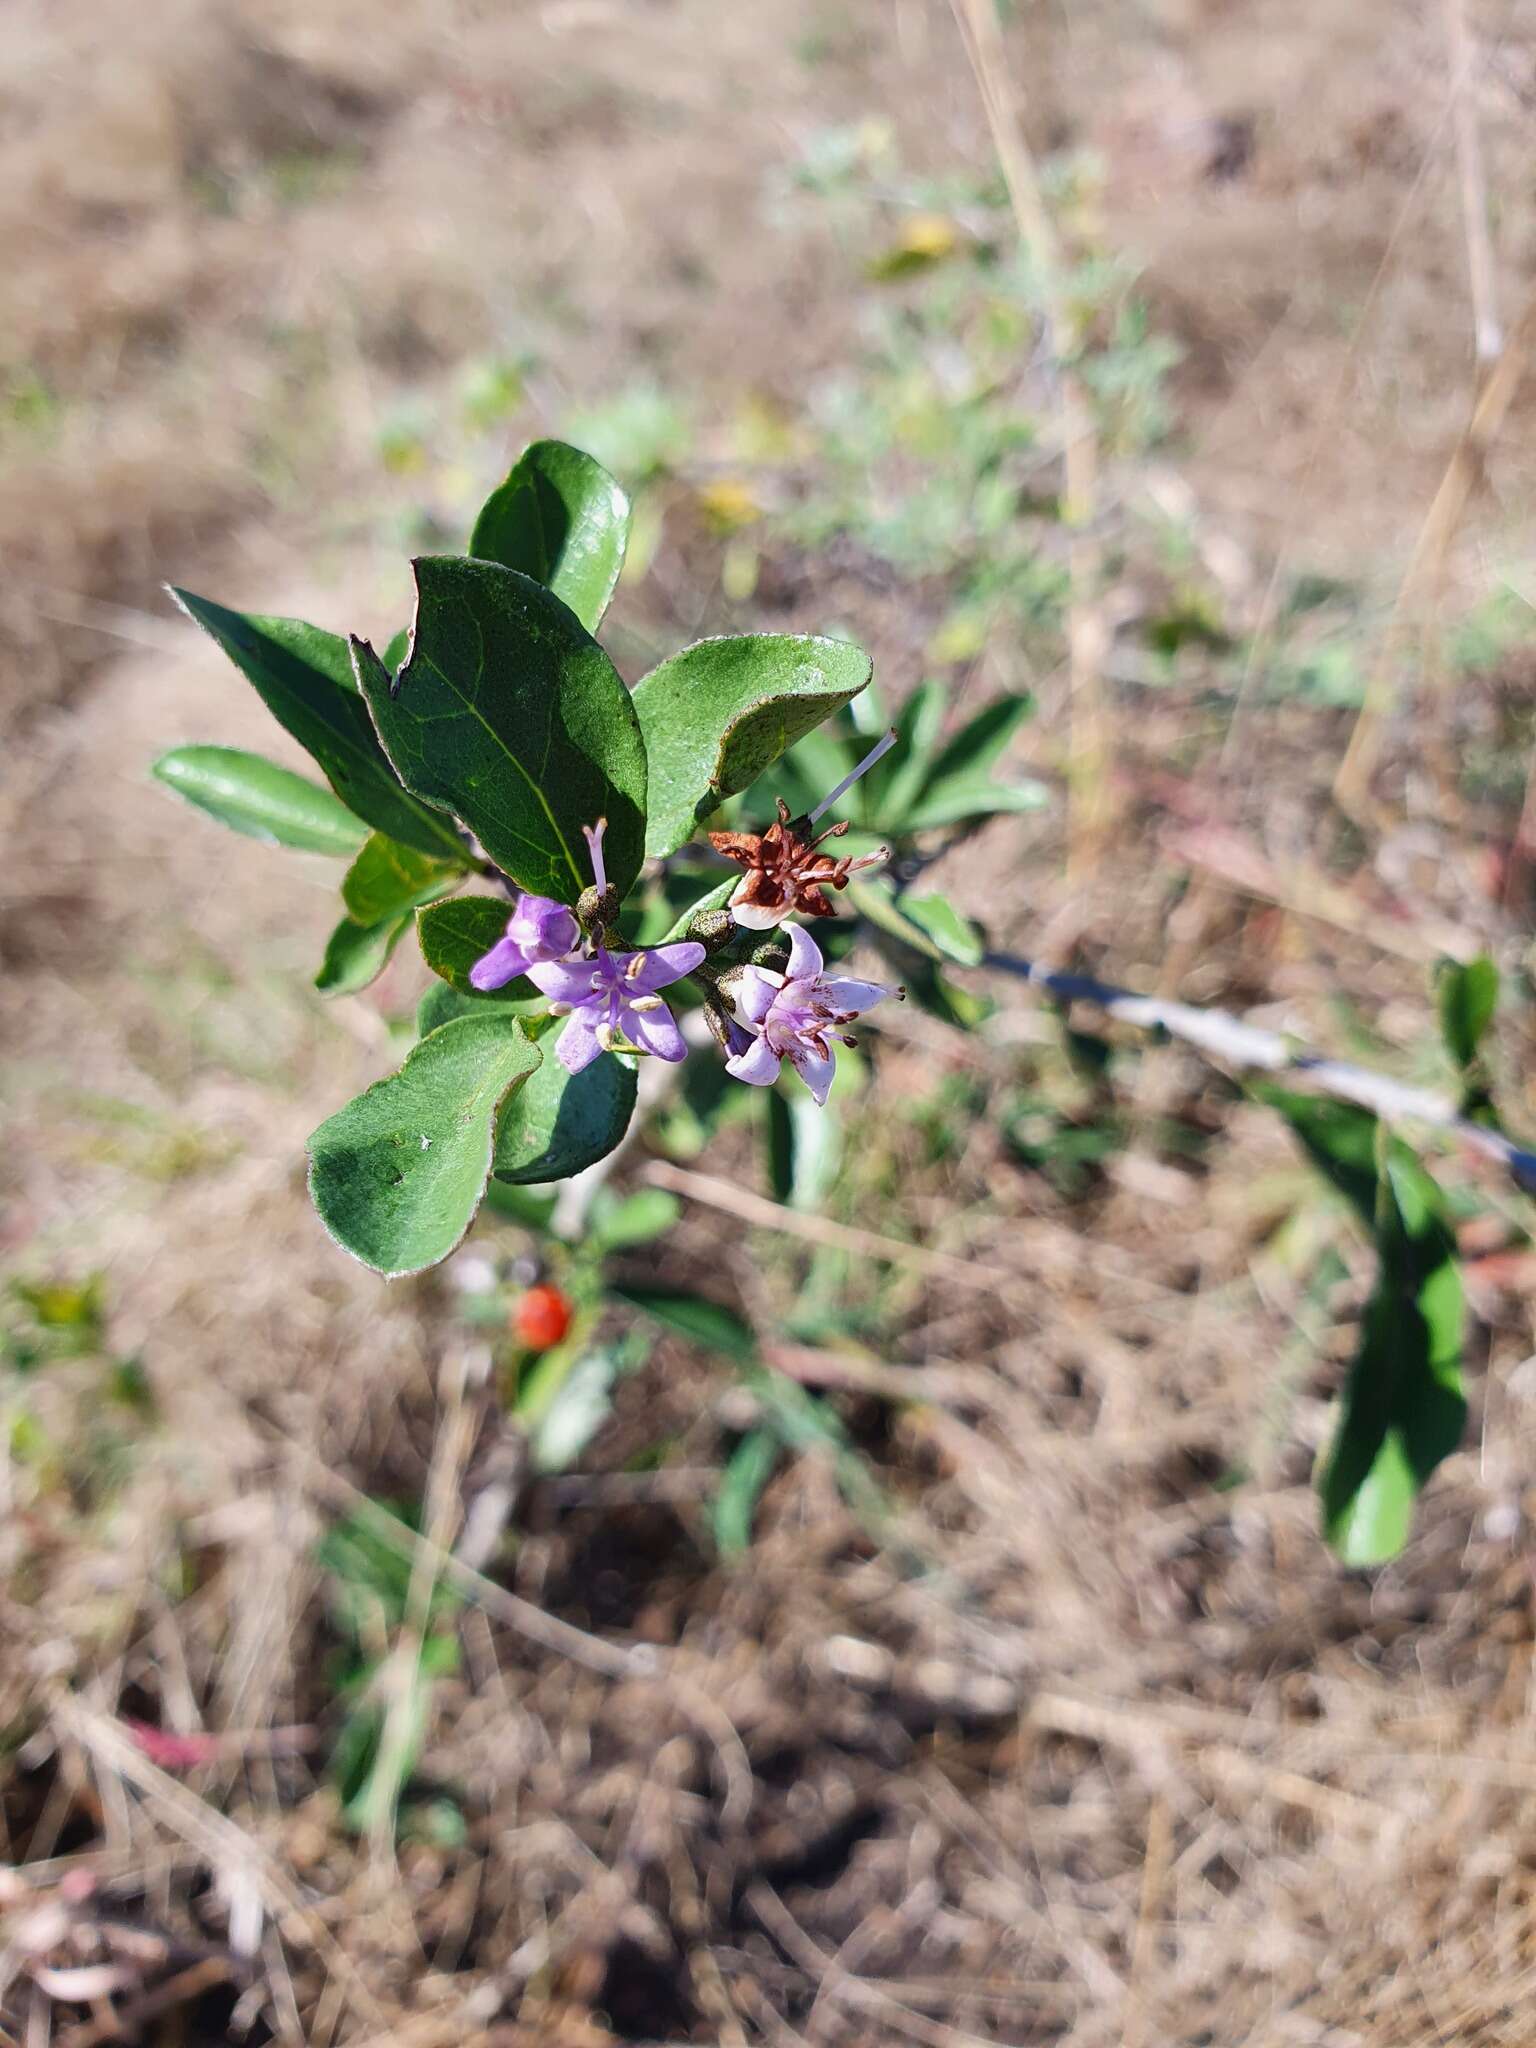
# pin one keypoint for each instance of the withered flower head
(784, 869)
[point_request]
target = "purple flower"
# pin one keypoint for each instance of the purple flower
(795, 1014)
(611, 1001)
(539, 929)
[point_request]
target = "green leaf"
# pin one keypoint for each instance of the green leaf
(357, 954)
(975, 749)
(718, 714)
(741, 1488)
(704, 1322)
(455, 935)
(559, 1123)
(398, 1174)
(927, 924)
(1402, 1409)
(304, 677)
(1339, 1138)
(778, 1144)
(387, 878)
(955, 936)
(510, 715)
(1468, 996)
(579, 1407)
(561, 519)
(255, 796)
(964, 801)
(615, 1225)
(441, 1004)
(887, 791)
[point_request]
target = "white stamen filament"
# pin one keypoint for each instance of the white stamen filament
(880, 747)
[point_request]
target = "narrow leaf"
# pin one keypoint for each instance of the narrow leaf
(255, 796)
(561, 519)
(1339, 1138)
(1468, 995)
(511, 716)
(705, 1322)
(928, 924)
(890, 787)
(963, 800)
(615, 1224)
(398, 1174)
(304, 677)
(1402, 1410)
(721, 712)
(356, 954)
(741, 1488)
(972, 752)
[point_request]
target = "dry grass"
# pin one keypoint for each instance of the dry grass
(1089, 1748)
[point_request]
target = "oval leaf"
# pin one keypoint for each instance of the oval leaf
(560, 1122)
(398, 1174)
(304, 677)
(255, 796)
(561, 519)
(510, 715)
(721, 712)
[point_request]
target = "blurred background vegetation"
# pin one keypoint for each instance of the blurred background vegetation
(897, 1606)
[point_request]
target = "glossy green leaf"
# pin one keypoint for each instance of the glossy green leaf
(1467, 997)
(356, 954)
(617, 1223)
(963, 801)
(255, 796)
(742, 1483)
(705, 1322)
(304, 677)
(721, 712)
(1402, 1410)
(454, 935)
(778, 1144)
(441, 1004)
(398, 1174)
(511, 716)
(929, 925)
(561, 519)
(558, 1123)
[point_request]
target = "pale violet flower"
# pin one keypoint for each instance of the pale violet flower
(539, 929)
(611, 1001)
(796, 1015)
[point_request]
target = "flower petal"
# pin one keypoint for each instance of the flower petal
(660, 965)
(754, 991)
(758, 1066)
(815, 1070)
(759, 902)
(655, 1030)
(805, 961)
(848, 997)
(565, 981)
(577, 1045)
(504, 962)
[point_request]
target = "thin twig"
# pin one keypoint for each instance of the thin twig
(1463, 474)
(1486, 334)
(1088, 765)
(1253, 1047)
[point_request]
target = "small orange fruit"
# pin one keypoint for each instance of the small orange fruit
(541, 1318)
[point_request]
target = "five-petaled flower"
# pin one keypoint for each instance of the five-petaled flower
(796, 1016)
(612, 1004)
(539, 929)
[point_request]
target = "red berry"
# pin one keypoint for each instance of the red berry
(541, 1318)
